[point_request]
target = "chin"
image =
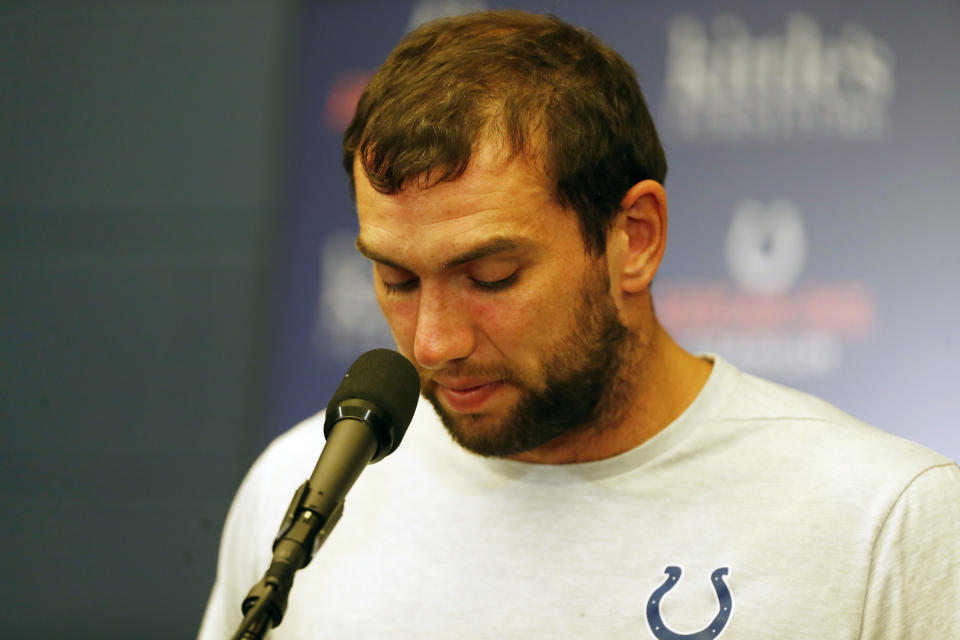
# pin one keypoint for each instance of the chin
(480, 433)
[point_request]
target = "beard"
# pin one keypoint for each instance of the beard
(582, 383)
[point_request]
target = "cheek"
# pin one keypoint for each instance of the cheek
(513, 326)
(495, 317)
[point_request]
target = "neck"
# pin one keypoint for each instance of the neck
(661, 382)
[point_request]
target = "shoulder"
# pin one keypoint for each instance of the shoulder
(795, 429)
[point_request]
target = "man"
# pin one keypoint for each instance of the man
(508, 181)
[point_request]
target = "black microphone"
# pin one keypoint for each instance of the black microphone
(365, 421)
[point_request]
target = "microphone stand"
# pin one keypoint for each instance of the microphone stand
(314, 511)
(365, 421)
(300, 536)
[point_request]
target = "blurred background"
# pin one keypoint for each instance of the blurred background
(178, 283)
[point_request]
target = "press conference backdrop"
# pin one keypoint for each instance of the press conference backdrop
(814, 187)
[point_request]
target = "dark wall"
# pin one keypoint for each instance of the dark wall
(140, 170)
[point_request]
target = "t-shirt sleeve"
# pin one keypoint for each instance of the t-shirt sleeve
(913, 591)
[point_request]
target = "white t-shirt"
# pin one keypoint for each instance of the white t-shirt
(760, 512)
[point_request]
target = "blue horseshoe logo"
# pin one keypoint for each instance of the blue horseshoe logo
(659, 628)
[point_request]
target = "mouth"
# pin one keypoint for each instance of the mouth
(469, 396)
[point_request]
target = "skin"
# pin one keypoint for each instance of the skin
(480, 277)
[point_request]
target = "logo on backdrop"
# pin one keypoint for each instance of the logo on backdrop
(733, 86)
(660, 629)
(762, 321)
(766, 247)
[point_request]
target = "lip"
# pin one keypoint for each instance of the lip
(468, 396)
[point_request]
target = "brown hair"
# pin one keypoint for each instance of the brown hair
(547, 89)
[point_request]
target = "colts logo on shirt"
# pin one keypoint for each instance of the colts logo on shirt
(713, 630)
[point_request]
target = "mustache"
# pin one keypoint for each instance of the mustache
(470, 370)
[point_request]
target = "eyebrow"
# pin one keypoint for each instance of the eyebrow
(488, 248)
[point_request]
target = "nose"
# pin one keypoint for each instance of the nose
(444, 331)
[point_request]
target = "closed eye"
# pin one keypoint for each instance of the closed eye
(411, 284)
(404, 286)
(495, 285)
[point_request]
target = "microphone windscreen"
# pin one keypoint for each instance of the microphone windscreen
(385, 379)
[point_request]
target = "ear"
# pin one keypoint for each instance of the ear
(639, 237)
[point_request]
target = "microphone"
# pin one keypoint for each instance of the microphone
(366, 419)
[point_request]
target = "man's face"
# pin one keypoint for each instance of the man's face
(489, 290)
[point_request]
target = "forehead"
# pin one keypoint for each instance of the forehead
(496, 196)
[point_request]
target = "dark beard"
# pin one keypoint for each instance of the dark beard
(584, 384)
